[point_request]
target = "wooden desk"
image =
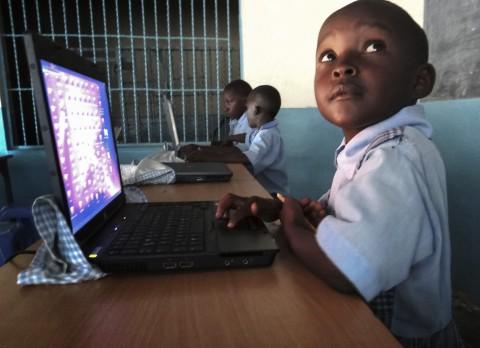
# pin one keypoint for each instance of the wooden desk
(280, 306)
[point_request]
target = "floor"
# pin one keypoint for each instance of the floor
(467, 318)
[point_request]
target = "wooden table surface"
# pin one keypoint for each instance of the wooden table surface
(279, 306)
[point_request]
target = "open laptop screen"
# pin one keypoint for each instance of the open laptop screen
(172, 126)
(84, 141)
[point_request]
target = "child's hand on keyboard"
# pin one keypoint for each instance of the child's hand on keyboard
(235, 209)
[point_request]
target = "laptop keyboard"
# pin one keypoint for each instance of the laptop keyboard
(167, 229)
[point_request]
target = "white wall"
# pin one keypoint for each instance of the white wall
(279, 37)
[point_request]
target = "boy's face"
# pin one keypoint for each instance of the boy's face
(362, 74)
(234, 105)
(252, 115)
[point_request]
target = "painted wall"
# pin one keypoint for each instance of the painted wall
(278, 43)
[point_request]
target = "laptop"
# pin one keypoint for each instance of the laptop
(74, 115)
(191, 171)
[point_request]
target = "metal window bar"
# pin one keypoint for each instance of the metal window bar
(107, 59)
(65, 31)
(205, 52)
(92, 31)
(194, 75)
(119, 59)
(78, 26)
(132, 50)
(50, 12)
(17, 73)
(217, 65)
(189, 65)
(182, 77)
(157, 61)
(229, 57)
(147, 104)
(37, 135)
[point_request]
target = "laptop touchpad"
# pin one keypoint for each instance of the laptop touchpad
(244, 238)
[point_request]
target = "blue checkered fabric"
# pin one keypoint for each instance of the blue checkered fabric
(134, 195)
(382, 306)
(59, 259)
(449, 337)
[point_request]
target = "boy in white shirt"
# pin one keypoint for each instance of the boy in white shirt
(382, 229)
(265, 152)
(235, 95)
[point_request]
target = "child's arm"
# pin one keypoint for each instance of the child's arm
(313, 210)
(236, 208)
(217, 154)
(230, 140)
(240, 138)
(300, 235)
(186, 150)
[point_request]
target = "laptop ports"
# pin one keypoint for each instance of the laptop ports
(169, 265)
(186, 264)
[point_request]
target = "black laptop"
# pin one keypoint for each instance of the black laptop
(191, 171)
(74, 114)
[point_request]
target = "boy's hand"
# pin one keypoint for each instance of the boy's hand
(226, 142)
(293, 216)
(200, 155)
(236, 208)
(186, 150)
(314, 211)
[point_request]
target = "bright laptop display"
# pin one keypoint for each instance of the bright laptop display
(84, 141)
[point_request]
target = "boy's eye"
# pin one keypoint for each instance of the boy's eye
(327, 57)
(376, 46)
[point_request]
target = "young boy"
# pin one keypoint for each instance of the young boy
(235, 96)
(265, 151)
(382, 229)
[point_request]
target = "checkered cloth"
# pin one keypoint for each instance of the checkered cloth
(150, 170)
(59, 259)
(449, 337)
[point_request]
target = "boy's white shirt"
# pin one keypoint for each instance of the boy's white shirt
(267, 156)
(389, 222)
(240, 126)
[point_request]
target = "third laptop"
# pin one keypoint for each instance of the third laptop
(192, 171)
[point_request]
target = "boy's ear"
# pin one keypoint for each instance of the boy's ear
(424, 81)
(258, 109)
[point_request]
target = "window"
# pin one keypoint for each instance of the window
(187, 49)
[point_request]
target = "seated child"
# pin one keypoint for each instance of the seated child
(235, 96)
(381, 231)
(265, 151)
(234, 101)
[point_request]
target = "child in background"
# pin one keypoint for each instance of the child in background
(265, 151)
(381, 231)
(235, 96)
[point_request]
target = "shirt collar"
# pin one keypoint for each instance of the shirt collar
(267, 125)
(347, 155)
(271, 124)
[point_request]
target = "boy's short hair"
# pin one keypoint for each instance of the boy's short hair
(415, 37)
(238, 87)
(270, 99)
